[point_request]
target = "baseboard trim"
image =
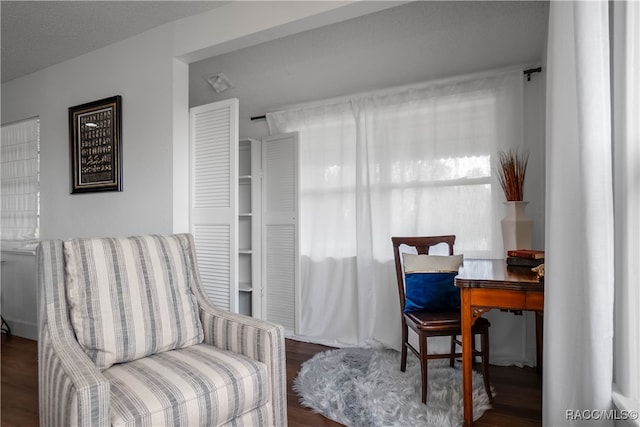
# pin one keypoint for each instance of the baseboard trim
(23, 329)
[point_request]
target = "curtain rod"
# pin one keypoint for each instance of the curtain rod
(531, 71)
(527, 73)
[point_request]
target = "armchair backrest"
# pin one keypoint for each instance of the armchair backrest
(123, 298)
(422, 245)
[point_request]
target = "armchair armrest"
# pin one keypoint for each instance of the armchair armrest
(73, 391)
(256, 339)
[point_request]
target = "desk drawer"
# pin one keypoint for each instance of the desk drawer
(502, 298)
(507, 299)
(535, 301)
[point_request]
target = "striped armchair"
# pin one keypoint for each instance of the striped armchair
(127, 337)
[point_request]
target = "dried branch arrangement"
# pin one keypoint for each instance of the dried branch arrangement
(511, 170)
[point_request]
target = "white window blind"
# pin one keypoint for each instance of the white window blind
(20, 158)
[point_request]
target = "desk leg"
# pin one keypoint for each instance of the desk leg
(467, 349)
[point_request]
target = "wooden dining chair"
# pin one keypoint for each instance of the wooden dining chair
(435, 323)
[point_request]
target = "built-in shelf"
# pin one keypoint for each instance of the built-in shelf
(249, 258)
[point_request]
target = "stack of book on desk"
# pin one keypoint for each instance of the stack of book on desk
(525, 257)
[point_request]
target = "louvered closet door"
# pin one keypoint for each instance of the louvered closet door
(280, 252)
(214, 200)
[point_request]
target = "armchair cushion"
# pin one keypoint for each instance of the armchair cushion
(199, 385)
(429, 282)
(130, 297)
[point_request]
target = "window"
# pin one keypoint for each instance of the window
(626, 43)
(421, 158)
(410, 161)
(20, 184)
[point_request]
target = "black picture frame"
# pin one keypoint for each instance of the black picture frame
(95, 138)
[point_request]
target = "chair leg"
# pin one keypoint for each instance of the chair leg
(423, 366)
(403, 356)
(452, 359)
(485, 364)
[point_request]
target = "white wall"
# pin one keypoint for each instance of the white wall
(410, 43)
(139, 70)
(153, 84)
(149, 71)
(19, 296)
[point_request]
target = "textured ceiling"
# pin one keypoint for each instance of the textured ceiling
(38, 34)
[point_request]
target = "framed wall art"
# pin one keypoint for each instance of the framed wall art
(95, 136)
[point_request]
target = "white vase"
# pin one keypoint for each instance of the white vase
(517, 227)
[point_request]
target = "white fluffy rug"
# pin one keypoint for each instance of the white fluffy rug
(365, 387)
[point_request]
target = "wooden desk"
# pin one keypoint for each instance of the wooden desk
(488, 284)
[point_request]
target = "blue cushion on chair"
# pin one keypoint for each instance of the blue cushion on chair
(431, 292)
(429, 282)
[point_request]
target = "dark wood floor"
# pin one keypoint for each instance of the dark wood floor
(19, 382)
(518, 401)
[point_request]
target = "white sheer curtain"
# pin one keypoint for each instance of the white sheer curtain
(579, 223)
(20, 147)
(408, 161)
